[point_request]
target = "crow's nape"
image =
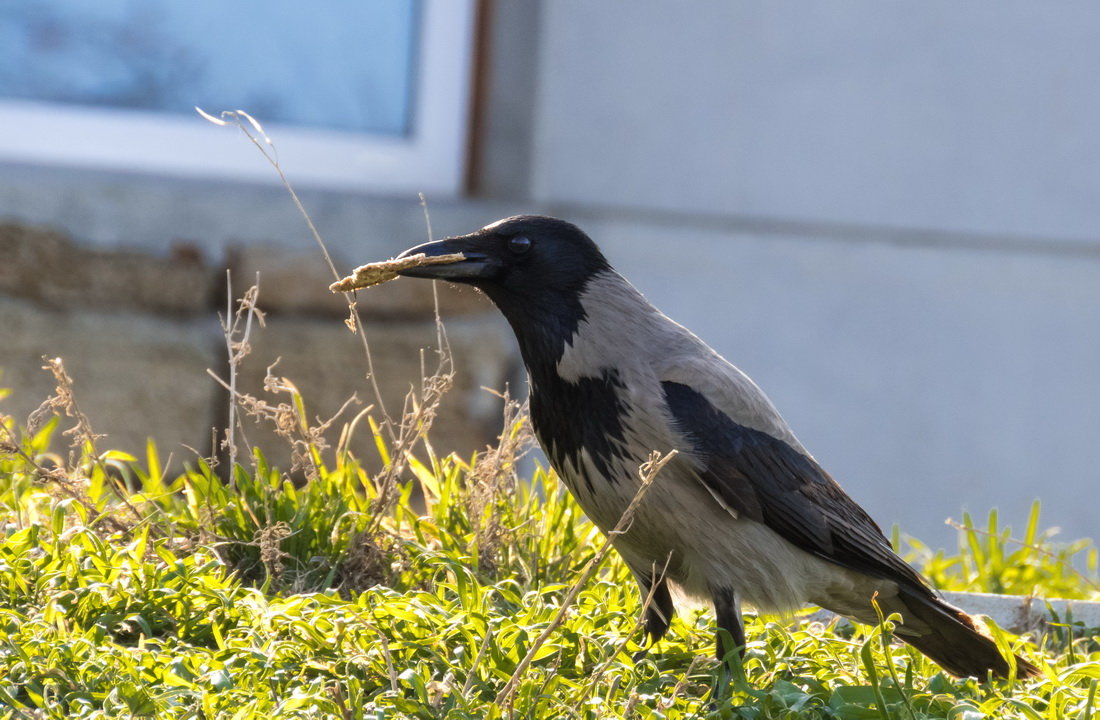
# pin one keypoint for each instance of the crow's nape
(953, 639)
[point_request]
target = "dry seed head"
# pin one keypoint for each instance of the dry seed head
(386, 270)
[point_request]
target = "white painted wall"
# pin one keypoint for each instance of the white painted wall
(939, 114)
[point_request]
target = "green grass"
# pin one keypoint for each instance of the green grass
(128, 593)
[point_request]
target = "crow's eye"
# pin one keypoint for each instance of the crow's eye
(519, 245)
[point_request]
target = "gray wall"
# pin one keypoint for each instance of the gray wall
(956, 116)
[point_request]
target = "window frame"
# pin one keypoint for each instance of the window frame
(431, 158)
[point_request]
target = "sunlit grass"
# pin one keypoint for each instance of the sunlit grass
(129, 593)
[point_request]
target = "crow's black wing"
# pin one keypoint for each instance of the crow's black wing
(764, 478)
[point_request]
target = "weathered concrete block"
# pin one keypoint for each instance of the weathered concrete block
(297, 280)
(28, 259)
(45, 266)
(135, 376)
(116, 318)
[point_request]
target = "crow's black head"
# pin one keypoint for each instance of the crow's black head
(525, 255)
(533, 268)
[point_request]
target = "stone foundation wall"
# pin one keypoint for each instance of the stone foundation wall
(138, 333)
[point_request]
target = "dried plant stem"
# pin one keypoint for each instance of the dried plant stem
(417, 418)
(598, 674)
(237, 347)
(81, 452)
(471, 676)
(83, 439)
(231, 421)
(256, 135)
(255, 132)
(668, 702)
(391, 669)
(646, 472)
(236, 329)
(377, 273)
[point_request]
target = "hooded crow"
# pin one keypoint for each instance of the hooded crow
(743, 513)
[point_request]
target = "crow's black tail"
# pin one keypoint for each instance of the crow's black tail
(952, 639)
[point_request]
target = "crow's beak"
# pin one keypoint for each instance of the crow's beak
(478, 264)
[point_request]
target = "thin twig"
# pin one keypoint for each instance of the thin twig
(237, 348)
(231, 423)
(271, 154)
(471, 676)
(441, 341)
(256, 135)
(598, 674)
(395, 681)
(647, 472)
(668, 702)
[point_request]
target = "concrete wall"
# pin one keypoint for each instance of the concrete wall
(944, 115)
(885, 214)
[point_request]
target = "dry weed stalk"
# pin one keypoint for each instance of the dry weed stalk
(252, 130)
(600, 671)
(237, 333)
(647, 473)
(418, 412)
(81, 450)
(269, 539)
(289, 419)
(416, 420)
(493, 475)
(64, 401)
(482, 650)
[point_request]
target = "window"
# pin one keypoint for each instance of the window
(355, 94)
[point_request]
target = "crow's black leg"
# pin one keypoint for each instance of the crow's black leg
(658, 615)
(727, 608)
